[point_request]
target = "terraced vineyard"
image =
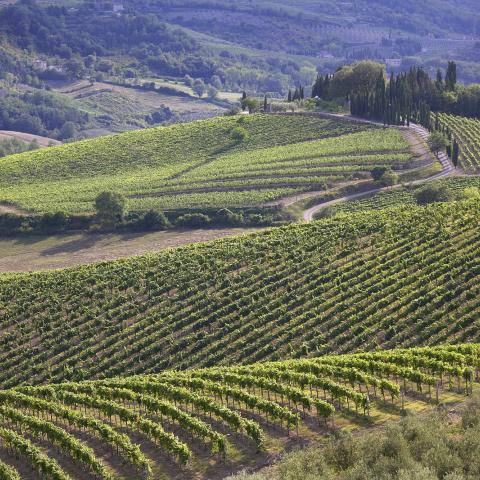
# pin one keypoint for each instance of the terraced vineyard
(207, 420)
(199, 164)
(338, 285)
(467, 133)
(404, 196)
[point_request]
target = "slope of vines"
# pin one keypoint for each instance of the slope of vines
(455, 186)
(200, 163)
(403, 277)
(467, 133)
(130, 427)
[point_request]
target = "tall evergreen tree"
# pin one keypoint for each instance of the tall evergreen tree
(455, 153)
(451, 76)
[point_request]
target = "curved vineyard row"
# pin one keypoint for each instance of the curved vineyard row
(394, 278)
(200, 164)
(466, 131)
(455, 186)
(203, 415)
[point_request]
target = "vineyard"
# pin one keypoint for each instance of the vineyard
(201, 164)
(339, 285)
(467, 133)
(404, 196)
(197, 421)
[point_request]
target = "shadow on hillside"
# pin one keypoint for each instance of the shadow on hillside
(83, 243)
(30, 240)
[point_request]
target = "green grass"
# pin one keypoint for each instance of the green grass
(398, 277)
(199, 165)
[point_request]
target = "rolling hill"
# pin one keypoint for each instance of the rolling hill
(398, 277)
(228, 161)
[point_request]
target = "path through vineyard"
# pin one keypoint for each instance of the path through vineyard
(416, 136)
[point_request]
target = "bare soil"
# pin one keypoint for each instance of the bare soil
(27, 138)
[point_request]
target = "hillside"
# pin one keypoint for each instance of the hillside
(229, 161)
(454, 185)
(401, 277)
(215, 420)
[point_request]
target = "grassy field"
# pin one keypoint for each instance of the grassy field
(211, 422)
(200, 164)
(31, 253)
(337, 285)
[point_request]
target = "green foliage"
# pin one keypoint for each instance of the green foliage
(193, 220)
(437, 142)
(197, 165)
(465, 135)
(432, 194)
(239, 134)
(110, 208)
(11, 146)
(41, 113)
(213, 407)
(420, 447)
(154, 220)
(117, 317)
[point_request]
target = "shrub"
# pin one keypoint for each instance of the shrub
(432, 194)
(194, 220)
(53, 222)
(239, 134)
(228, 218)
(154, 220)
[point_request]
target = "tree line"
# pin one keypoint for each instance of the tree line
(400, 99)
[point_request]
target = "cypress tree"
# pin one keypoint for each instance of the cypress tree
(289, 96)
(455, 153)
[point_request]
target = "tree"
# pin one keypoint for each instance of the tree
(432, 194)
(388, 179)
(53, 222)
(437, 142)
(110, 208)
(451, 77)
(455, 153)
(265, 104)
(199, 87)
(377, 173)
(250, 104)
(289, 98)
(212, 92)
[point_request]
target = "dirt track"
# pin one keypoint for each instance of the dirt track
(416, 136)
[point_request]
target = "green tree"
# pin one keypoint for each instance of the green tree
(437, 142)
(199, 87)
(451, 77)
(377, 173)
(110, 208)
(250, 104)
(432, 194)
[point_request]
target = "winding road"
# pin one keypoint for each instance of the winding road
(447, 169)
